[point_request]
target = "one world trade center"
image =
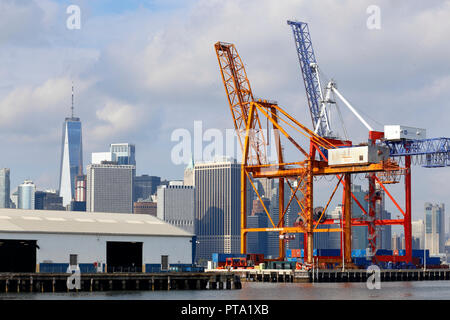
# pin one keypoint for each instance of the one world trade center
(71, 157)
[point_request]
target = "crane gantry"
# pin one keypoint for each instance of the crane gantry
(403, 147)
(247, 114)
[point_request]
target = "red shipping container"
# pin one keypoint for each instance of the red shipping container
(296, 253)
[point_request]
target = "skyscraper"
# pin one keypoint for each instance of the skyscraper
(109, 188)
(26, 193)
(435, 228)
(145, 186)
(217, 207)
(123, 153)
(71, 157)
(189, 174)
(359, 233)
(175, 205)
(47, 200)
(417, 228)
(4, 188)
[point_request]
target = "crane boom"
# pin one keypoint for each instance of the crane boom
(240, 96)
(311, 79)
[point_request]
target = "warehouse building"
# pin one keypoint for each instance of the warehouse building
(46, 241)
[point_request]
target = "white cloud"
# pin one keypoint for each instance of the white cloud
(147, 72)
(116, 118)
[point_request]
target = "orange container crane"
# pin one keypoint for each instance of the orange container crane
(247, 114)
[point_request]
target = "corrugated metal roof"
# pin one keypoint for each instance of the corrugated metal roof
(75, 222)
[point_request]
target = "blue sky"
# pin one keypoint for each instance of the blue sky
(145, 68)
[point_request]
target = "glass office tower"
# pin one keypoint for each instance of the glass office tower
(71, 158)
(26, 194)
(4, 188)
(124, 153)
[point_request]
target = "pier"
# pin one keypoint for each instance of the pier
(57, 282)
(350, 275)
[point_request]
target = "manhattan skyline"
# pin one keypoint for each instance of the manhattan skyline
(134, 84)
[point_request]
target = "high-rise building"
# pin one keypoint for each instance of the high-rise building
(71, 157)
(397, 241)
(175, 205)
(47, 200)
(435, 228)
(145, 186)
(79, 203)
(329, 240)
(26, 193)
(417, 230)
(359, 233)
(290, 217)
(15, 199)
(99, 157)
(4, 188)
(109, 188)
(217, 207)
(189, 174)
(124, 153)
(257, 241)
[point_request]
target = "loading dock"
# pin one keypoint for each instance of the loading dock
(17, 255)
(123, 256)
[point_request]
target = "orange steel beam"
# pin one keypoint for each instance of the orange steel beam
(244, 183)
(275, 124)
(314, 137)
(289, 202)
(389, 195)
(320, 169)
(347, 219)
(291, 230)
(239, 95)
(309, 210)
(259, 197)
(281, 243)
(329, 200)
(384, 222)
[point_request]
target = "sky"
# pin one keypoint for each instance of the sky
(143, 69)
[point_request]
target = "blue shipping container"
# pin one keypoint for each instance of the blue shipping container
(329, 252)
(383, 252)
(419, 253)
(288, 253)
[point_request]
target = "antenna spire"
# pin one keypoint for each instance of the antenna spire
(72, 100)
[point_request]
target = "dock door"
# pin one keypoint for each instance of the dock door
(17, 255)
(123, 256)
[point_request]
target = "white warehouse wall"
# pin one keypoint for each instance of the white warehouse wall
(91, 248)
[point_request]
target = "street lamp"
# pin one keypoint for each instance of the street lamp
(425, 241)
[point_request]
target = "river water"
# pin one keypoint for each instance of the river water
(417, 290)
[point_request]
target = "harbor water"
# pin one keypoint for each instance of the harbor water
(409, 290)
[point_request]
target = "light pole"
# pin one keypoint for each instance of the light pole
(342, 241)
(425, 241)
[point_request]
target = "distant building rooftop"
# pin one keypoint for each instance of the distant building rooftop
(72, 222)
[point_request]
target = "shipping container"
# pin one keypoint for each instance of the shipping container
(296, 253)
(419, 253)
(222, 257)
(357, 155)
(398, 132)
(384, 252)
(329, 252)
(289, 253)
